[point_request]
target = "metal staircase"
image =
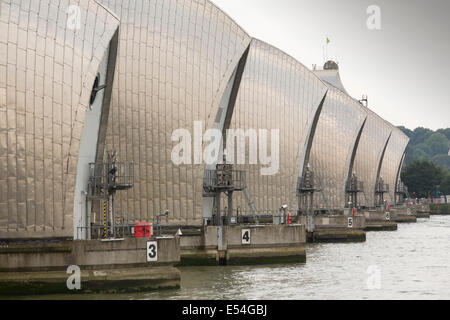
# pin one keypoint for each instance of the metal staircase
(224, 179)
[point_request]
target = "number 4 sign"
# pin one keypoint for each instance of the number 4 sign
(245, 236)
(152, 251)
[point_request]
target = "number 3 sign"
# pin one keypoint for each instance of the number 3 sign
(152, 251)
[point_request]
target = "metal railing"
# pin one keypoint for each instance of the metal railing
(263, 216)
(311, 183)
(354, 186)
(216, 180)
(382, 187)
(106, 232)
(107, 176)
(401, 188)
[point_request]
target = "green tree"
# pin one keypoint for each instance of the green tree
(422, 177)
(437, 144)
(445, 184)
(418, 154)
(425, 144)
(442, 160)
(445, 132)
(406, 131)
(422, 148)
(419, 135)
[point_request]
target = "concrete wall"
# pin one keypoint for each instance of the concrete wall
(260, 236)
(266, 236)
(374, 215)
(336, 221)
(87, 254)
(402, 211)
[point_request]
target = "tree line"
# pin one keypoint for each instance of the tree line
(426, 170)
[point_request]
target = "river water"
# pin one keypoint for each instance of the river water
(410, 263)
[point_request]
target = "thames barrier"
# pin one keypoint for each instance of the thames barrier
(139, 137)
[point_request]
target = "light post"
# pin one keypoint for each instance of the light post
(158, 226)
(284, 207)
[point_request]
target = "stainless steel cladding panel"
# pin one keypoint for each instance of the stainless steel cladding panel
(175, 59)
(50, 51)
(334, 139)
(332, 77)
(369, 154)
(392, 161)
(276, 93)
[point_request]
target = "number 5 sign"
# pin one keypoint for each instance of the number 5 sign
(152, 251)
(245, 236)
(350, 223)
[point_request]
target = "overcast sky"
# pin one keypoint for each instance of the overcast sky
(404, 67)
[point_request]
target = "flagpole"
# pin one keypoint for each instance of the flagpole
(323, 53)
(327, 42)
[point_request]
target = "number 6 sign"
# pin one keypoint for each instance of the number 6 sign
(152, 251)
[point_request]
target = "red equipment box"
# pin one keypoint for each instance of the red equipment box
(142, 230)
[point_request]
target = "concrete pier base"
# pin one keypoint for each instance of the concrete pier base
(381, 226)
(336, 236)
(33, 267)
(422, 214)
(403, 215)
(225, 245)
(98, 281)
(199, 257)
(376, 221)
(265, 256)
(338, 222)
(405, 219)
(439, 209)
(337, 228)
(246, 256)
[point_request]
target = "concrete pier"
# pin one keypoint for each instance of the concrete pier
(244, 244)
(105, 266)
(439, 209)
(377, 221)
(335, 236)
(98, 281)
(337, 228)
(403, 215)
(381, 226)
(422, 214)
(422, 211)
(265, 255)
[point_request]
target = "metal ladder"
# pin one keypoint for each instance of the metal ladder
(322, 192)
(365, 197)
(249, 202)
